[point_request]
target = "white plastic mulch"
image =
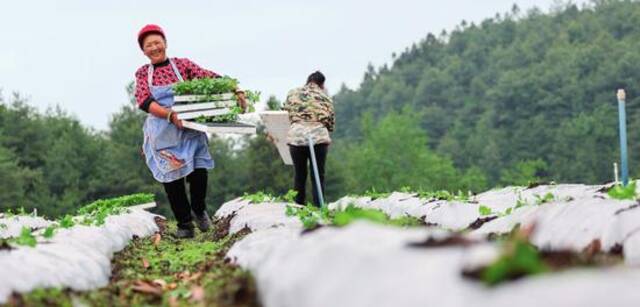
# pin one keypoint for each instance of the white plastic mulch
(365, 264)
(78, 258)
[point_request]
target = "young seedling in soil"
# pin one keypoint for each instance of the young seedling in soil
(620, 192)
(437, 195)
(21, 211)
(94, 213)
(26, 238)
(352, 213)
(373, 194)
(262, 197)
(67, 221)
(312, 217)
(49, 232)
(549, 197)
(484, 211)
(258, 197)
(519, 258)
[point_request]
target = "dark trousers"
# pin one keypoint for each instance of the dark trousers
(177, 195)
(301, 157)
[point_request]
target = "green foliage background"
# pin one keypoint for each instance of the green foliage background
(519, 97)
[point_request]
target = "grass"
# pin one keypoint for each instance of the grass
(161, 270)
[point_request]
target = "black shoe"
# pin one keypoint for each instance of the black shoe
(203, 221)
(183, 233)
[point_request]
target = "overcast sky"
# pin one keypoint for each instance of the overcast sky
(81, 54)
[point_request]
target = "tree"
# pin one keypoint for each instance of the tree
(273, 104)
(394, 154)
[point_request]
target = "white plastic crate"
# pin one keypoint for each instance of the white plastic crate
(221, 128)
(204, 106)
(195, 98)
(205, 113)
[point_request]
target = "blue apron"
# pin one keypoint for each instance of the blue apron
(172, 153)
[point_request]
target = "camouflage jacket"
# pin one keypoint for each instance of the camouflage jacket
(310, 112)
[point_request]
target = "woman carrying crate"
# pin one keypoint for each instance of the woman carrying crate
(312, 118)
(171, 152)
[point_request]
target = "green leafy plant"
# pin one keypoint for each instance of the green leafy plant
(21, 211)
(312, 216)
(375, 194)
(444, 195)
(262, 197)
(26, 238)
(96, 212)
(206, 86)
(67, 221)
(352, 213)
(539, 200)
(252, 96)
(519, 258)
(508, 211)
(209, 88)
(484, 210)
(117, 202)
(49, 232)
(437, 195)
(290, 196)
(521, 202)
(622, 192)
(549, 197)
(9, 213)
(258, 197)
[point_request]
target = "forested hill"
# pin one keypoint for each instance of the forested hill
(523, 90)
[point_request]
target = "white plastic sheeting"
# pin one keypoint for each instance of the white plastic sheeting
(78, 257)
(625, 231)
(250, 252)
(264, 216)
(372, 265)
(577, 214)
(12, 226)
(257, 216)
(230, 207)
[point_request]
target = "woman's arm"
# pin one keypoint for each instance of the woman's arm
(142, 92)
(161, 112)
(329, 116)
